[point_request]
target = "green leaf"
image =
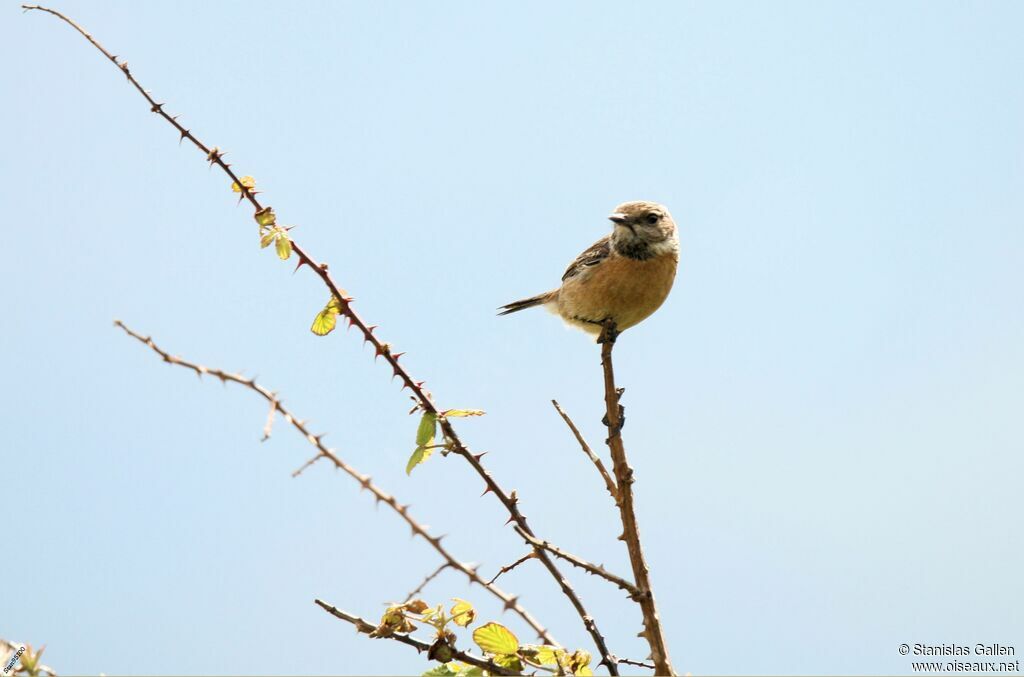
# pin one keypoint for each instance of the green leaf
(460, 413)
(265, 216)
(425, 433)
(471, 671)
(284, 245)
(267, 238)
(495, 638)
(440, 671)
(421, 454)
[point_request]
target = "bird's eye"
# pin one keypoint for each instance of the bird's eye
(653, 218)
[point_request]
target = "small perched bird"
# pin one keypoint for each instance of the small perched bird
(624, 276)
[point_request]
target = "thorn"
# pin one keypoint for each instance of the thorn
(371, 328)
(365, 482)
(511, 603)
(323, 267)
(419, 384)
(397, 355)
(479, 456)
(510, 520)
(157, 108)
(487, 489)
(437, 539)
(621, 537)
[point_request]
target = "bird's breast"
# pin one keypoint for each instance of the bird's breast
(625, 289)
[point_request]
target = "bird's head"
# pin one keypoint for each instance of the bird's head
(642, 227)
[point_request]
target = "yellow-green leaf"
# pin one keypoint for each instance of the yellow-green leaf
(580, 663)
(462, 612)
(267, 238)
(495, 638)
(265, 216)
(246, 181)
(425, 433)
(325, 322)
(284, 245)
(421, 454)
(509, 661)
(458, 413)
(440, 671)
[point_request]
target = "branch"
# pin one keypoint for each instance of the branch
(630, 530)
(595, 569)
(608, 481)
(419, 588)
(418, 529)
(216, 157)
(504, 570)
(364, 627)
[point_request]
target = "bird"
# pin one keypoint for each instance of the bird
(623, 277)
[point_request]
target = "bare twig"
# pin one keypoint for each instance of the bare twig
(510, 601)
(598, 463)
(268, 426)
(595, 569)
(639, 664)
(215, 156)
(630, 530)
(365, 627)
(430, 577)
(302, 468)
(510, 567)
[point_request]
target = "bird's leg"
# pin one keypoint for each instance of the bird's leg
(609, 332)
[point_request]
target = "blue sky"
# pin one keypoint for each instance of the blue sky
(824, 417)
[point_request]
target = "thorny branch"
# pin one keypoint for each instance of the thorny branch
(598, 463)
(508, 499)
(595, 569)
(366, 628)
(630, 530)
(510, 601)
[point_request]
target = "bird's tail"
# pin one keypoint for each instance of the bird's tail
(523, 304)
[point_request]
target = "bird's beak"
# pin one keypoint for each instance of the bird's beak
(620, 219)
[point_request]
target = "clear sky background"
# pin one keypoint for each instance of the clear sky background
(824, 418)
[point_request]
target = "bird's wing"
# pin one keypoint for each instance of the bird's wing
(595, 254)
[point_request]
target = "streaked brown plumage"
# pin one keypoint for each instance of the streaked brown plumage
(624, 276)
